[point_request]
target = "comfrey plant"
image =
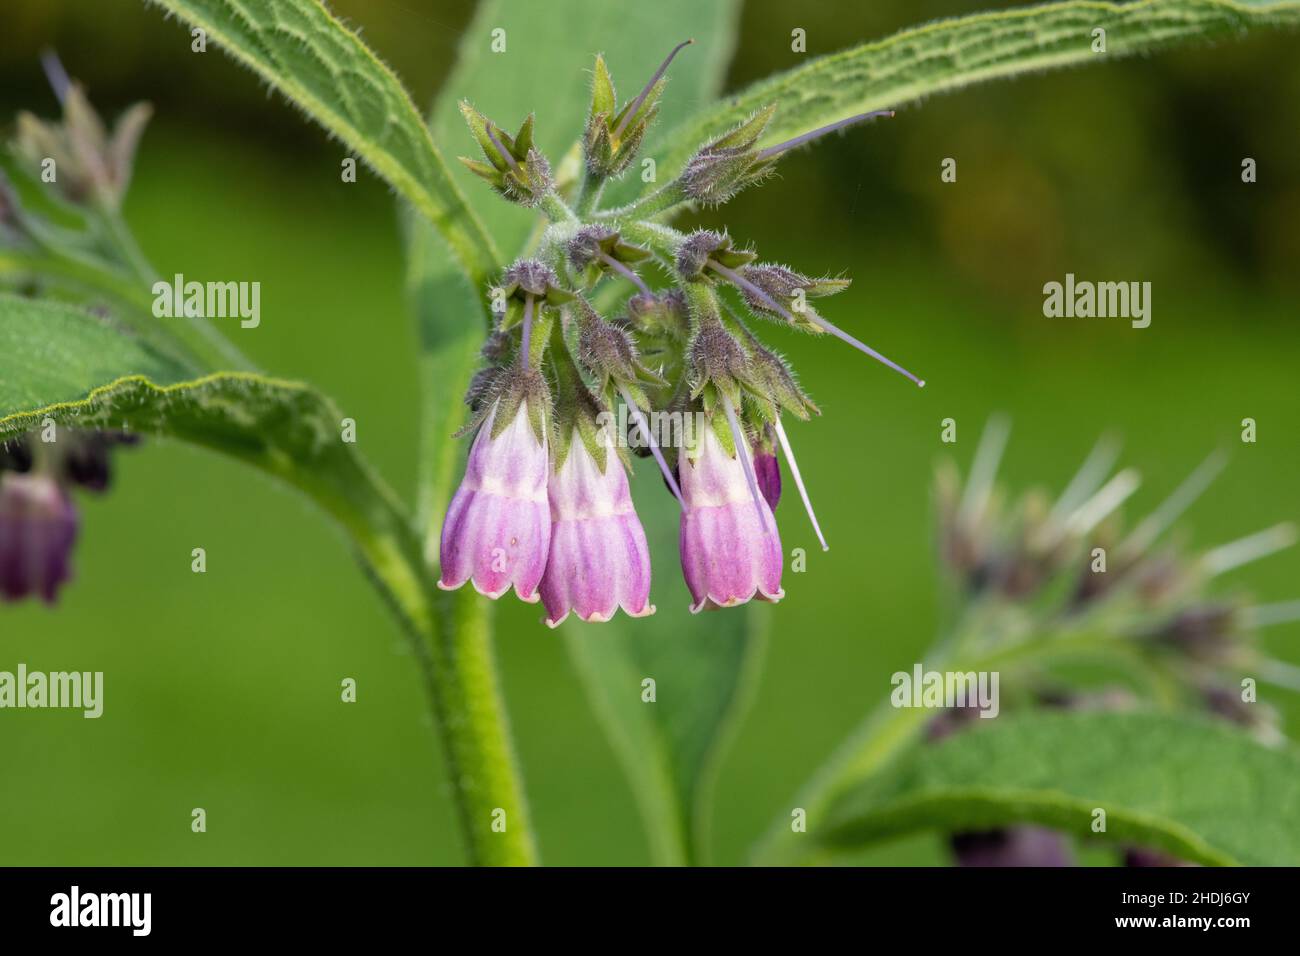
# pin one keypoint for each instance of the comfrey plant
(555, 344)
(544, 506)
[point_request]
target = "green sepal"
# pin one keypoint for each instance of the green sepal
(603, 98)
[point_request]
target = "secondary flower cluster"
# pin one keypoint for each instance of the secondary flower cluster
(563, 396)
(1057, 570)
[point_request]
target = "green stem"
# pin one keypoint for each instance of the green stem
(451, 640)
(663, 201)
(588, 194)
(556, 209)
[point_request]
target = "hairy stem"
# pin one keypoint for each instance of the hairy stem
(451, 641)
(665, 200)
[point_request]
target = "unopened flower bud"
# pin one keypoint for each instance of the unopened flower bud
(613, 136)
(514, 168)
(705, 247)
(727, 165)
(93, 166)
(595, 250)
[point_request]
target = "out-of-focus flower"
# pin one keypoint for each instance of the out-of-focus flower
(90, 165)
(1013, 846)
(38, 525)
(38, 519)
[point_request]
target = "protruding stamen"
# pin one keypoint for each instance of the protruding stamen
(742, 452)
(780, 148)
(1278, 673)
(1266, 615)
(984, 469)
(735, 277)
(636, 103)
(505, 153)
(798, 483)
(527, 346)
(625, 272)
(1250, 548)
(1094, 511)
(1087, 479)
(56, 74)
(648, 437)
(1195, 484)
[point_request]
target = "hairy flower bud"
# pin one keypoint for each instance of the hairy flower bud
(612, 136)
(92, 165)
(595, 250)
(514, 167)
(716, 358)
(771, 285)
(703, 247)
(730, 163)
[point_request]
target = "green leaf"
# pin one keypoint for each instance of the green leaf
(949, 54)
(302, 50)
(54, 354)
(546, 70)
(1202, 791)
(704, 667)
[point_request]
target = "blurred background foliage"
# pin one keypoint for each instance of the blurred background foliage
(222, 690)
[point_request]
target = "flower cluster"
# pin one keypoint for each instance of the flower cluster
(1046, 574)
(586, 349)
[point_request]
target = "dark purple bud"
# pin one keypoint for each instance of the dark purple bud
(1138, 856)
(15, 455)
(529, 277)
(38, 525)
(767, 470)
(88, 458)
(1203, 632)
(1014, 846)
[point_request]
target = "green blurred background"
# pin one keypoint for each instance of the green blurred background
(222, 690)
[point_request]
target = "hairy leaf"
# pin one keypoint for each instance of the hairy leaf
(302, 50)
(949, 54)
(702, 666)
(1199, 790)
(54, 353)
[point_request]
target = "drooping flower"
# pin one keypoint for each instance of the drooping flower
(38, 519)
(38, 525)
(731, 551)
(599, 560)
(498, 525)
